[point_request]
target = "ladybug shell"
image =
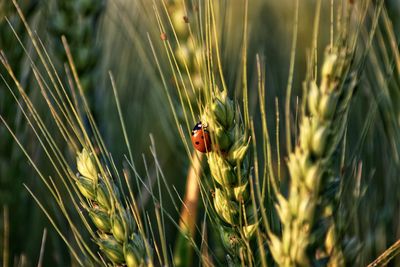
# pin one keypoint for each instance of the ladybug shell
(201, 138)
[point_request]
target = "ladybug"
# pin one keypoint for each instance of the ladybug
(201, 138)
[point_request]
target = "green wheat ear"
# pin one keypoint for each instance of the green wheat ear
(115, 223)
(310, 165)
(78, 21)
(229, 167)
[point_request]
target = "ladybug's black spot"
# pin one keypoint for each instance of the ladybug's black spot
(197, 142)
(192, 132)
(202, 137)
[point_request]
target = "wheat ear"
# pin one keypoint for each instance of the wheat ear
(304, 213)
(229, 167)
(77, 21)
(116, 235)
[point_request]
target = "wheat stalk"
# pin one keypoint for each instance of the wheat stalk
(387, 255)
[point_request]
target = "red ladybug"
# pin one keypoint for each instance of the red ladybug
(201, 138)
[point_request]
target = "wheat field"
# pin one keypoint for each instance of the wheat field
(200, 133)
